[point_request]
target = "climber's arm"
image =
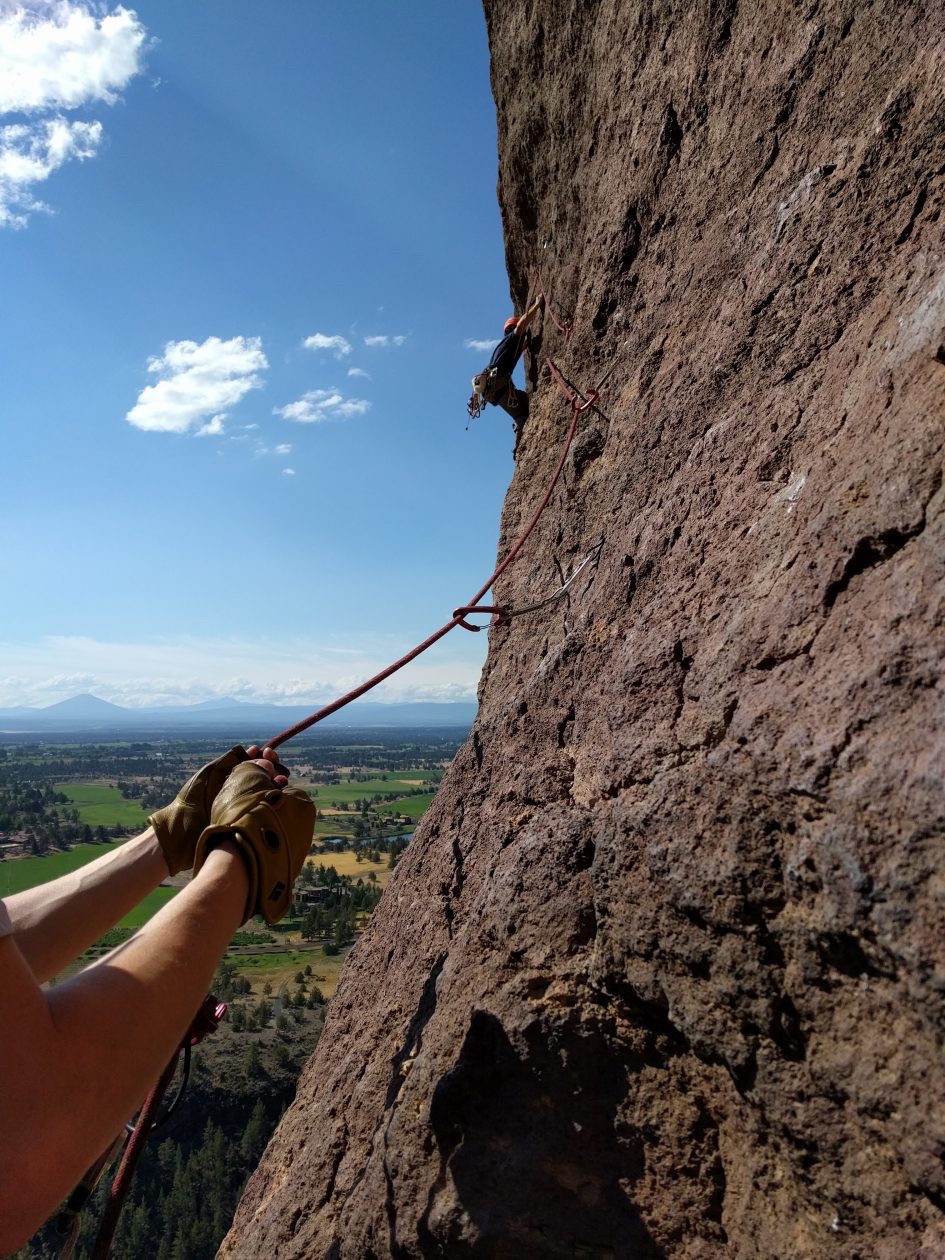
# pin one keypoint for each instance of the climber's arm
(55, 922)
(530, 314)
(77, 1060)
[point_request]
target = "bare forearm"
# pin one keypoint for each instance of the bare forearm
(55, 922)
(91, 1048)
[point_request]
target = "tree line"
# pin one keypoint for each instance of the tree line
(192, 1173)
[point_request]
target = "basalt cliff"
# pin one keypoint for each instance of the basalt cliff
(663, 972)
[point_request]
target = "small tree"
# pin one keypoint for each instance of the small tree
(253, 1061)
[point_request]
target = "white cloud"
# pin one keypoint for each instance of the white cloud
(284, 448)
(288, 472)
(181, 671)
(322, 404)
(384, 341)
(60, 55)
(29, 154)
(339, 346)
(359, 372)
(472, 344)
(213, 428)
(56, 55)
(199, 384)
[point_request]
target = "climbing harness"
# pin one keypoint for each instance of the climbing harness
(68, 1222)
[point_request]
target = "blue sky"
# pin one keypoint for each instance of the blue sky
(244, 248)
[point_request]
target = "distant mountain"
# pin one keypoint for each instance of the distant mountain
(224, 702)
(246, 720)
(84, 706)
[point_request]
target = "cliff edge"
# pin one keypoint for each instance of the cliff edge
(662, 973)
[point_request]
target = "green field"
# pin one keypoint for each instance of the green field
(99, 804)
(150, 906)
(17, 874)
(411, 806)
(330, 794)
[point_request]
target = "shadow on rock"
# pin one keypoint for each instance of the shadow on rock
(530, 1164)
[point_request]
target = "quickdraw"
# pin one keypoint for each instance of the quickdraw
(502, 615)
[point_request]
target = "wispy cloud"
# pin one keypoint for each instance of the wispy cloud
(288, 472)
(482, 346)
(339, 346)
(319, 405)
(384, 341)
(359, 372)
(30, 153)
(284, 448)
(56, 55)
(198, 385)
(213, 428)
(294, 670)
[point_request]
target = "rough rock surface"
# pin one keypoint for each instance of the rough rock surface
(662, 973)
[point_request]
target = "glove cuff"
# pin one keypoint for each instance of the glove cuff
(159, 822)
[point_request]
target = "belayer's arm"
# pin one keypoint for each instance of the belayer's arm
(55, 922)
(76, 1061)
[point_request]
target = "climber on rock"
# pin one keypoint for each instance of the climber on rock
(77, 1059)
(494, 383)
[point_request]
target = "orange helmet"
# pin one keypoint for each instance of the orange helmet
(510, 323)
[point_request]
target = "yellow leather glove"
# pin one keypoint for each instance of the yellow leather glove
(178, 825)
(272, 828)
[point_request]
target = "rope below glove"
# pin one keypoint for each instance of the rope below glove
(178, 825)
(273, 829)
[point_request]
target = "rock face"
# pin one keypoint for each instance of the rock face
(662, 973)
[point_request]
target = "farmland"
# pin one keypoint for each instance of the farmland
(66, 805)
(348, 863)
(278, 968)
(100, 804)
(412, 806)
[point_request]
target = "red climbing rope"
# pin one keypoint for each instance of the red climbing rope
(129, 1161)
(209, 1015)
(210, 1012)
(579, 404)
